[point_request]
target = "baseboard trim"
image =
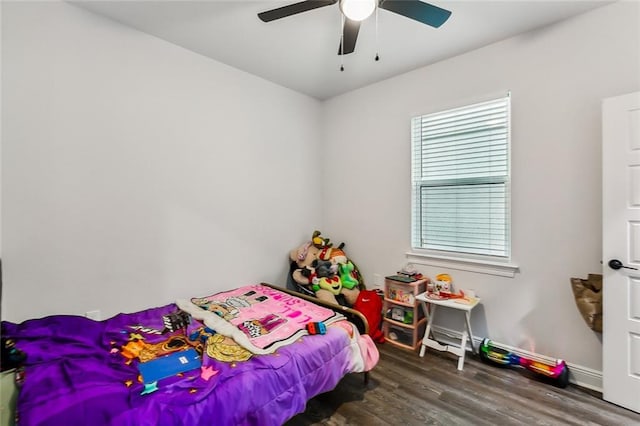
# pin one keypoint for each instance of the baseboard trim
(585, 377)
(578, 374)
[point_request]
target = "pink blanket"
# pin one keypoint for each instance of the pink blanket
(268, 318)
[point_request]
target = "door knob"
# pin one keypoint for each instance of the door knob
(616, 264)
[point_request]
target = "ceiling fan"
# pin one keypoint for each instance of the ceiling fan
(355, 11)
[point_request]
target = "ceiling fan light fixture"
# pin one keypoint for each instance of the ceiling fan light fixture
(357, 10)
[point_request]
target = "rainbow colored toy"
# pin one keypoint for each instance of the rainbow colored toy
(559, 372)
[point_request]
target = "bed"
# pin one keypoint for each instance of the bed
(255, 361)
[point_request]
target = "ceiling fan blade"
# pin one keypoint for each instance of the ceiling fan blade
(350, 35)
(293, 9)
(418, 11)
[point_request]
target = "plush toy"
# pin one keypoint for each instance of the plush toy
(304, 255)
(330, 289)
(303, 258)
(318, 241)
(334, 255)
(331, 284)
(324, 268)
(309, 273)
(350, 295)
(348, 275)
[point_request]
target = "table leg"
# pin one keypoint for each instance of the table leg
(423, 347)
(463, 350)
(425, 309)
(467, 317)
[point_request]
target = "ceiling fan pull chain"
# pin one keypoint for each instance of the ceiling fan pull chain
(342, 42)
(377, 56)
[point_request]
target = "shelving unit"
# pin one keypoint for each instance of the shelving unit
(403, 322)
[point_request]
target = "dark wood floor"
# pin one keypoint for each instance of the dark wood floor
(405, 389)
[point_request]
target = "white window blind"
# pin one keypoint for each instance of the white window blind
(460, 179)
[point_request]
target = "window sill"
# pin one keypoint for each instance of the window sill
(470, 265)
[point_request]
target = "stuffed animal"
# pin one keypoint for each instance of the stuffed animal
(350, 295)
(304, 255)
(334, 255)
(331, 284)
(330, 290)
(303, 258)
(324, 268)
(348, 275)
(318, 241)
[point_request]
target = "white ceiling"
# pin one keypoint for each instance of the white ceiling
(300, 52)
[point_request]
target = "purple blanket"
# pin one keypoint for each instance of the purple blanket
(84, 372)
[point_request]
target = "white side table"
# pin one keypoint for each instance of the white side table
(466, 334)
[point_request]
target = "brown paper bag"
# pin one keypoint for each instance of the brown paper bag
(588, 296)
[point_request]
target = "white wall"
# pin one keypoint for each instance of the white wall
(135, 172)
(558, 76)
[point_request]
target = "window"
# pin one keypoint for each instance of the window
(460, 180)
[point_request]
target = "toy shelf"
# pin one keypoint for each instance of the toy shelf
(396, 302)
(403, 320)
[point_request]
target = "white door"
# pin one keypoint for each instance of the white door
(621, 250)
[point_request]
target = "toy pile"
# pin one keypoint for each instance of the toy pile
(442, 289)
(324, 271)
(321, 270)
